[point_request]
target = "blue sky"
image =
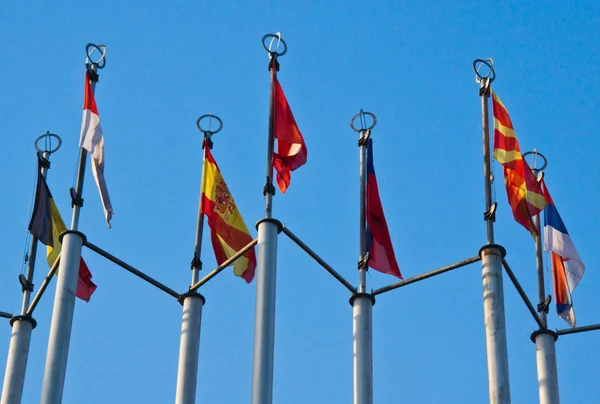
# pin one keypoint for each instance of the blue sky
(407, 62)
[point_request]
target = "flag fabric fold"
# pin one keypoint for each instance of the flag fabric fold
(523, 190)
(92, 140)
(47, 225)
(228, 232)
(291, 149)
(379, 242)
(567, 266)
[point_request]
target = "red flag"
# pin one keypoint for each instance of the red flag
(379, 242)
(291, 150)
(85, 286)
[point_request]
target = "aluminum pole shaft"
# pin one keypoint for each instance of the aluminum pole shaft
(16, 363)
(493, 289)
(189, 345)
(264, 320)
(545, 350)
(362, 304)
(189, 349)
(266, 276)
(20, 340)
(64, 300)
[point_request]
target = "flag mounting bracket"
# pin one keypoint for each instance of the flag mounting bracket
(273, 54)
(536, 154)
(48, 143)
(363, 121)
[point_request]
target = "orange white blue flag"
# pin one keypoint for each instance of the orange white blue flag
(523, 190)
(567, 267)
(228, 232)
(291, 149)
(92, 140)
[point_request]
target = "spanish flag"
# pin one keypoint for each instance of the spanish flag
(228, 232)
(524, 193)
(47, 225)
(291, 149)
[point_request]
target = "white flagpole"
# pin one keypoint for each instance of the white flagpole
(491, 260)
(266, 269)
(545, 350)
(66, 286)
(193, 302)
(362, 302)
(18, 351)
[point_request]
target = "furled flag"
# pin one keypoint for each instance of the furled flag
(567, 267)
(92, 140)
(291, 150)
(524, 193)
(46, 224)
(228, 232)
(379, 243)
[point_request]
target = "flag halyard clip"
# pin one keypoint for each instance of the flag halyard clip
(363, 263)
(76, 200)
(196, 263)
(490, 214)
(269, 188)
(26, 285)
(545, 305)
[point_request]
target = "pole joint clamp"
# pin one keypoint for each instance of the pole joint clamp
(24, 318)
(184, 296)
(355, 296)
(543, 331)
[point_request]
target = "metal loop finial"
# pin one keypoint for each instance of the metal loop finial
(363, 121)
(280, 41)
(208, 131)
(536, 154)
(100, 63)
(478, 64)
(48, 143)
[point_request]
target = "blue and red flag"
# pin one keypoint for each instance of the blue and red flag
(379, 243)
(567, 267)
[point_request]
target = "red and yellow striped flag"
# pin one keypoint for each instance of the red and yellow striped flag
(524, 192)
(228, 232)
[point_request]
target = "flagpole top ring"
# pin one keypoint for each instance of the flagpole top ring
(210, 118)
(478, 64)
(48, 143)
(363, 121)
(536, 154)
(280, 41)
(100, 63)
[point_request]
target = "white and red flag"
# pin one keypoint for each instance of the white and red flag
(92, 140)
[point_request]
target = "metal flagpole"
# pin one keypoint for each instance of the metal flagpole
(18, 351)
(193, 302)
(544, 339)
(491, 260)
(266, 260)
(362, 302)
(64, 300)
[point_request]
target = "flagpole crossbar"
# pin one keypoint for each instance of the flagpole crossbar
(5, 314)
(426, 275)
(523, 295)
(40, 293)
(576, 330)
(224, 265)
(319, 260)
(131, 269)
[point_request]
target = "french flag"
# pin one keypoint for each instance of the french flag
(92, 140)
(567, 267)
(379, 242)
